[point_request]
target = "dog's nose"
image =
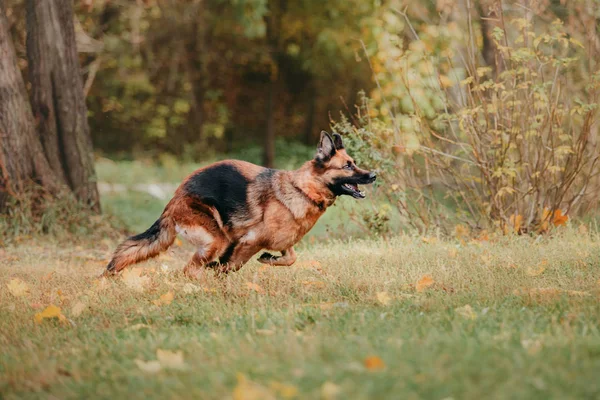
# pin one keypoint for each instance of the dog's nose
(372, 176)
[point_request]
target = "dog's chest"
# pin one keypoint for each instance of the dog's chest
(282, 230)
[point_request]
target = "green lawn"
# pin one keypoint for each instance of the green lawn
(514, 318)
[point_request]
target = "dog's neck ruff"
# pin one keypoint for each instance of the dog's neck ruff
(319, 204)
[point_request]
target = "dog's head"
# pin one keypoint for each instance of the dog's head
(338, 170)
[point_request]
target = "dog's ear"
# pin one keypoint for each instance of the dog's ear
(337, 140)
(326, 148)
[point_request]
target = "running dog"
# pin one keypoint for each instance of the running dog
(231, 210)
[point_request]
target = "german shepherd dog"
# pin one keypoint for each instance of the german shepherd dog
(230, 210)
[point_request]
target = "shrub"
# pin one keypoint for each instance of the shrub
(511, 146)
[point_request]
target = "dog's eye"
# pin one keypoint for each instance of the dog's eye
(348, 166)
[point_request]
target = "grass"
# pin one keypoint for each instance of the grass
(510, 318)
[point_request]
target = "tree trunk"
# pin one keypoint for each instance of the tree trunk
(22, 159)
(57, 98)
(269, 145)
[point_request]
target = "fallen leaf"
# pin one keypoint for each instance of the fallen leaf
(265, 332)
(466, 311)
(253, 286)
(559, 219)
(429, 240)
(50, 312)
(538, 269)
(515, 222)
(170, 359)
(151, 367)
(329, 391)
(461, 231)
(248, 390)
(532, 346)
(189, 288)
(384, 298)
(78, 308)
(133, 279)
(318, 284)
(164, 300)
(423, 283)
(17, 287)
(284, 390)
(137, 327)
(374, 363)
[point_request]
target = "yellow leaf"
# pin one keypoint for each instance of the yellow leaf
(50, 312)
(516, 221)
(78, 308)
(265, 332)
(133, 279)
(189, 288)
(466, 311)
(248, 390)
(151, 367)
(461, 231)
(164, 300)
(374, 363)
(558, 219)
(17, 287)
(170, 359)
(253, 286)
(329, 391)
(384, 298)
(537, 270)
(284, 390)
(532, 346)
(424, 283)
(319, 284)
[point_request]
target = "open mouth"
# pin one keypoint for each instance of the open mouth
(353, 190)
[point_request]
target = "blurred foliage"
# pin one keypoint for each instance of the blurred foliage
(484, 116)
(191, 77)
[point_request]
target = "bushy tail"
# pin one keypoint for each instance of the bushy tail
(146, 245)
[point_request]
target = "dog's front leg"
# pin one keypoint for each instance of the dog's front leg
(287, 258)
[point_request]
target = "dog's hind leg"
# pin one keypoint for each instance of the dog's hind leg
(287, 258)
(235, 256)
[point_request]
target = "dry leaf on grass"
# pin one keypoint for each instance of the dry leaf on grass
(151, 367)
(329, 391)
(17, 287)
(78, 308)
(374, 363)
(134, 280)
(189, 288)
(466, 311)
(265, 332)
(538, 269)
(50, 312)
(164, 300)
(170, 359)
(384, 298)
(253, 286)
(423, 283)
(248, 390)
(284, 390)
(165, 360)
(318, 284)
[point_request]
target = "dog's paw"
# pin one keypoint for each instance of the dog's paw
(267, 258)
